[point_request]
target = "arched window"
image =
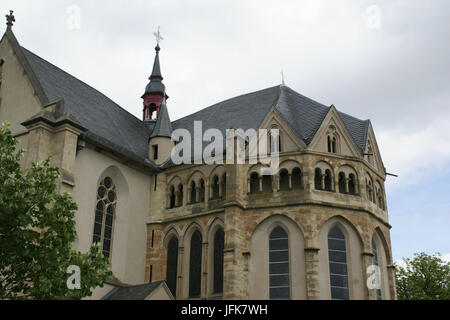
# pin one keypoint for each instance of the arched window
(215, 187)
(254, 183)
(341, 182)
(104, 215)
(267, 184)
(180, 195)
(172, 265)
(329, 143)
(328, 180)
(369, 187)
(193, 193)
(318, 179)
(195, 265)
(351, 184)
(375, 262)
(202, 190)
(296, 178)
(219, 244)
(337, 257)
(279, 284)
(172, 197)
(284, 180)
(224, 186)
(333, 144)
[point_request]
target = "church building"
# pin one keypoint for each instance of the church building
(317, 228)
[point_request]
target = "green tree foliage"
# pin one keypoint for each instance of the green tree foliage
(425, 277)
(37, 230)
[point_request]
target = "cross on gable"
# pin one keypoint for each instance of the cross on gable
(10, 18)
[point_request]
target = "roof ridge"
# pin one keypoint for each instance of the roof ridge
(81, 81)
(226, 100)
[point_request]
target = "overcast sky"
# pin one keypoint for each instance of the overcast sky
(387, 61)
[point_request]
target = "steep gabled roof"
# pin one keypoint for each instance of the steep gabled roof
(303, 115)
(107, 123)
(116, 129)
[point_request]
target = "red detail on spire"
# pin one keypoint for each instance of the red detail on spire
(152, 103)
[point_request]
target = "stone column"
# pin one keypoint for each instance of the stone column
(391, 279)
(197, 194)
(312, 273)
(290, 181)
(346, 185)
(260, 183)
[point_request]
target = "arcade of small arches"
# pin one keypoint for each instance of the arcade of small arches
(290, 177)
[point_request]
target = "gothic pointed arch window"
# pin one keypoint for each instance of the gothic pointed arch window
(279, 283)
(172, 265)
(105, 215)
(219, 244)
(337, 258)
(375, 262)
(180, 195)
(195, 265)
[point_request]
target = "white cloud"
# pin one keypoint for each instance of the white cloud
(418, 155)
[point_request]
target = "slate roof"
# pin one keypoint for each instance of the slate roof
(303, 115)
(106, 121)
(163, 126)
(139, 292)
(116, 129)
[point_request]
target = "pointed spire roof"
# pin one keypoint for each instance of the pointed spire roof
(155, 85)
(163, 126)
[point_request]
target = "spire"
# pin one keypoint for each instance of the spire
(10, 19)
(163, 127)
(155, 89)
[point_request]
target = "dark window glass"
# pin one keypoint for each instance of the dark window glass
(202, 190)
(296, 178)
(328, 181)
(219, 243)
(337, 257)
(104, 215)
(172, 265)
(284, 180)
(279, 286)
(215, 188)
(342, 182)
(318, 179)
(195, 265)
(267, 183)
(193, 192)
(254, 183)
(101, 192)
(107, 182)
(351, 184)
(172, 197)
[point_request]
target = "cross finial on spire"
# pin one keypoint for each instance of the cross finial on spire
(10, 19)
(283, 77)
(158, 38)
